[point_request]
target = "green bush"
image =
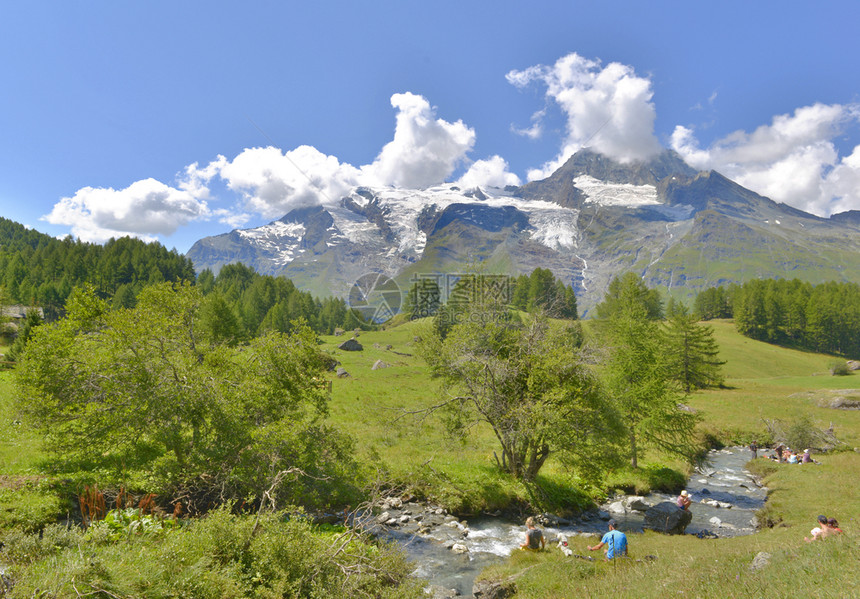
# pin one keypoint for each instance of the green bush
(220, 556)
(839, 368)
(121, 524)
(802, 433)
(20, 547)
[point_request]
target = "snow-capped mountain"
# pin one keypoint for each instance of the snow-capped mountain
(592, 219)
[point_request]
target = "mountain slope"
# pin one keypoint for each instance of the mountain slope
(591, 220)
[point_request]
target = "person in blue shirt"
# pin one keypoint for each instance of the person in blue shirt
(615, 541)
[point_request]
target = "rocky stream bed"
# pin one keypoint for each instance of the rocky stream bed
(449, 552)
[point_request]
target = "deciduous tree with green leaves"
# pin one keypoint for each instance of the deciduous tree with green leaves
(139, 390)
(530, 383)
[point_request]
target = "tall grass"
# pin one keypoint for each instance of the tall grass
(25, 499)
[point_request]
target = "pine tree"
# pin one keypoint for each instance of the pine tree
(645, 394)
(692, 353)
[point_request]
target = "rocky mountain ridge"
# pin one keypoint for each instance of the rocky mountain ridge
(591, 220)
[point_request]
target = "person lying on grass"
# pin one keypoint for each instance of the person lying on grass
(615, 541)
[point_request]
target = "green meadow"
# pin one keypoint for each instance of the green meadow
(763, 382)
(410, 450)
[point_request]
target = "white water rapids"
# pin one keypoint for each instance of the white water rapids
(731, 492)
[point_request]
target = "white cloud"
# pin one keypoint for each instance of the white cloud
(607, 108)
(792, 160)
(273, 182)
(536, 130)
(143, 209)
(492, 172)
(425, 150)
(842, 184)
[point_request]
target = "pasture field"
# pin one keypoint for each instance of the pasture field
(412, 451)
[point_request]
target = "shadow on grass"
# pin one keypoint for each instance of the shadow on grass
(557, 496)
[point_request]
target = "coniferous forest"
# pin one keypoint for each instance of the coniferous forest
(823, 318)
(41, 271)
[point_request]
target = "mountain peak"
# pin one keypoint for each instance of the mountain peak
(559, 187)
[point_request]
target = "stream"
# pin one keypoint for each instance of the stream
(725, 498)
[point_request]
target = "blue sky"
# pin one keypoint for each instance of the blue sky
(176, 120)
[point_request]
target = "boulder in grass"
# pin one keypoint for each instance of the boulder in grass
(351, 345)
(668, 518)
(380, 364)
(761, 560)
(342, 373)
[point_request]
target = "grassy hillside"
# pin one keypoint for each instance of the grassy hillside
(763, 381)
(379, 408)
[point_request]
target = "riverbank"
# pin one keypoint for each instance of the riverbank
(686, 566)
(449, 552)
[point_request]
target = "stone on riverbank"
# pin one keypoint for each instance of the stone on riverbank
(494, 589)
(666, 517)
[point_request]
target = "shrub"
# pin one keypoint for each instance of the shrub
(220, 556)
(20, 547)
(802, 433)
(839, 368)
(123, 523)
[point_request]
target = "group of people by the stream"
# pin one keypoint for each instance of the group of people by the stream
(614, 541)
(785, 455)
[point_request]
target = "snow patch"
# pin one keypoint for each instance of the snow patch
(275, 229)
(616, 194)
(280, 239)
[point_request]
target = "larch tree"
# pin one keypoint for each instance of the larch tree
(530, 383)
(637, 375)
(693, 356)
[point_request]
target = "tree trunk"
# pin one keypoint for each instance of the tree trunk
(633, 462)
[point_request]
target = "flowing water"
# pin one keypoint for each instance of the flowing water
(731, 493)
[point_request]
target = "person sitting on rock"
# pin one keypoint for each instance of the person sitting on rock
(683, 502)
(615, 541)
(534, 537)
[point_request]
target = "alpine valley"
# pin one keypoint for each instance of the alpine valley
(594, 218)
